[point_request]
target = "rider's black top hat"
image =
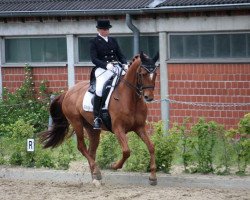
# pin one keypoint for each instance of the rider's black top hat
(103, 24)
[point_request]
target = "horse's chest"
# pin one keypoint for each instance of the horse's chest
(140, 114)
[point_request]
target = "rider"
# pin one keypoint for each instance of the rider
(103, 51)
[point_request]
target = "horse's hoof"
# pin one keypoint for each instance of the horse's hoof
(111, 166)
(97, 176)
(152, 182)
(96, 183)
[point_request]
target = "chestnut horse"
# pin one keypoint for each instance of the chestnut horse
(128, 113)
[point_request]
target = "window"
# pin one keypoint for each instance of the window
(83, 49)
(191, 44)
(126, 45)
(207, 46)
(148, 44)
(35, 50)
(222, 44)
(210, 46)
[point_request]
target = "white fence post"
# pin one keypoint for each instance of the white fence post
(52, 97)
(163, 40)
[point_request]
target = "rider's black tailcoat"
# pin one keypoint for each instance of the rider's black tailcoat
(102, 52)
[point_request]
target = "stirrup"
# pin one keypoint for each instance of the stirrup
(97, 123)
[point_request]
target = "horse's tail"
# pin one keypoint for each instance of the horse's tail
(55, 135)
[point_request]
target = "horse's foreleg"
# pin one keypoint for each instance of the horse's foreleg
(121, 136)
(143, 135)
(77, 125)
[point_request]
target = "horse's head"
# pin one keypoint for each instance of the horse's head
(146, 76)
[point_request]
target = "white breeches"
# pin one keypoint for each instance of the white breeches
(102, 76)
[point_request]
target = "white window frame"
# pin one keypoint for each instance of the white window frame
(33, 64)
(205, 60)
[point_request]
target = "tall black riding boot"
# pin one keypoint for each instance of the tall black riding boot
(97, 107)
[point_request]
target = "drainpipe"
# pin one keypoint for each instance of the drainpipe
(1, 82)
(1, 62)
(136, 34)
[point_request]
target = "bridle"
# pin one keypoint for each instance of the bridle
(147, 65)
(140, 76)
(140, 87)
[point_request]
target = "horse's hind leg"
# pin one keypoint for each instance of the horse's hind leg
(78, 127)
(144, 136)
(94, 139)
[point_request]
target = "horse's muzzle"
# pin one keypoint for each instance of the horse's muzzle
(148, 99)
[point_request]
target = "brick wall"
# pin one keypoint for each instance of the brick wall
(82, 74)
(56, 77)
(209, 83)
(188, 84)
(12, 78)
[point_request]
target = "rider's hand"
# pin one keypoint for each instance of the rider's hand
(125, 66)
(110, 66)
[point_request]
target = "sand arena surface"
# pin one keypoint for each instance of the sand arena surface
(23, 189)
(32, 190)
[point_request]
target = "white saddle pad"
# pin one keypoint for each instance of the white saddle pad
(87, 105)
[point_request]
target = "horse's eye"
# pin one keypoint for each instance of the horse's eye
(143, 74)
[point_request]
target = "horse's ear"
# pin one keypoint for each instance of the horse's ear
(142, 56)
(156, 57)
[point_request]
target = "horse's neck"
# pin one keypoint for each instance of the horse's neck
(130, 82)
(131, 73)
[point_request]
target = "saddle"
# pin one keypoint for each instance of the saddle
(106, 93)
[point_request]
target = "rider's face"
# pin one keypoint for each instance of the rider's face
(103, 32)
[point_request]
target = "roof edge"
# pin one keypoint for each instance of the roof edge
(98, 12)
(59, 13)
(193, 8)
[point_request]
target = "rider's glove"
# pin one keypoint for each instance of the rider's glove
(110, 66)
(125, 66)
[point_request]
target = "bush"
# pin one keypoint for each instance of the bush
(14, 152)
(244, 125)
(25, 104)
(165, 147)
(108, 150)
(67, 153)
(223, 153)
(185, 146)
(139, 158)
(44, 158)
(19, 132)
(240, 141)
(206, 133)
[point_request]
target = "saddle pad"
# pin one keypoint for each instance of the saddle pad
(87, 105)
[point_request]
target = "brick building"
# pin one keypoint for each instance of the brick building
(204, 49)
